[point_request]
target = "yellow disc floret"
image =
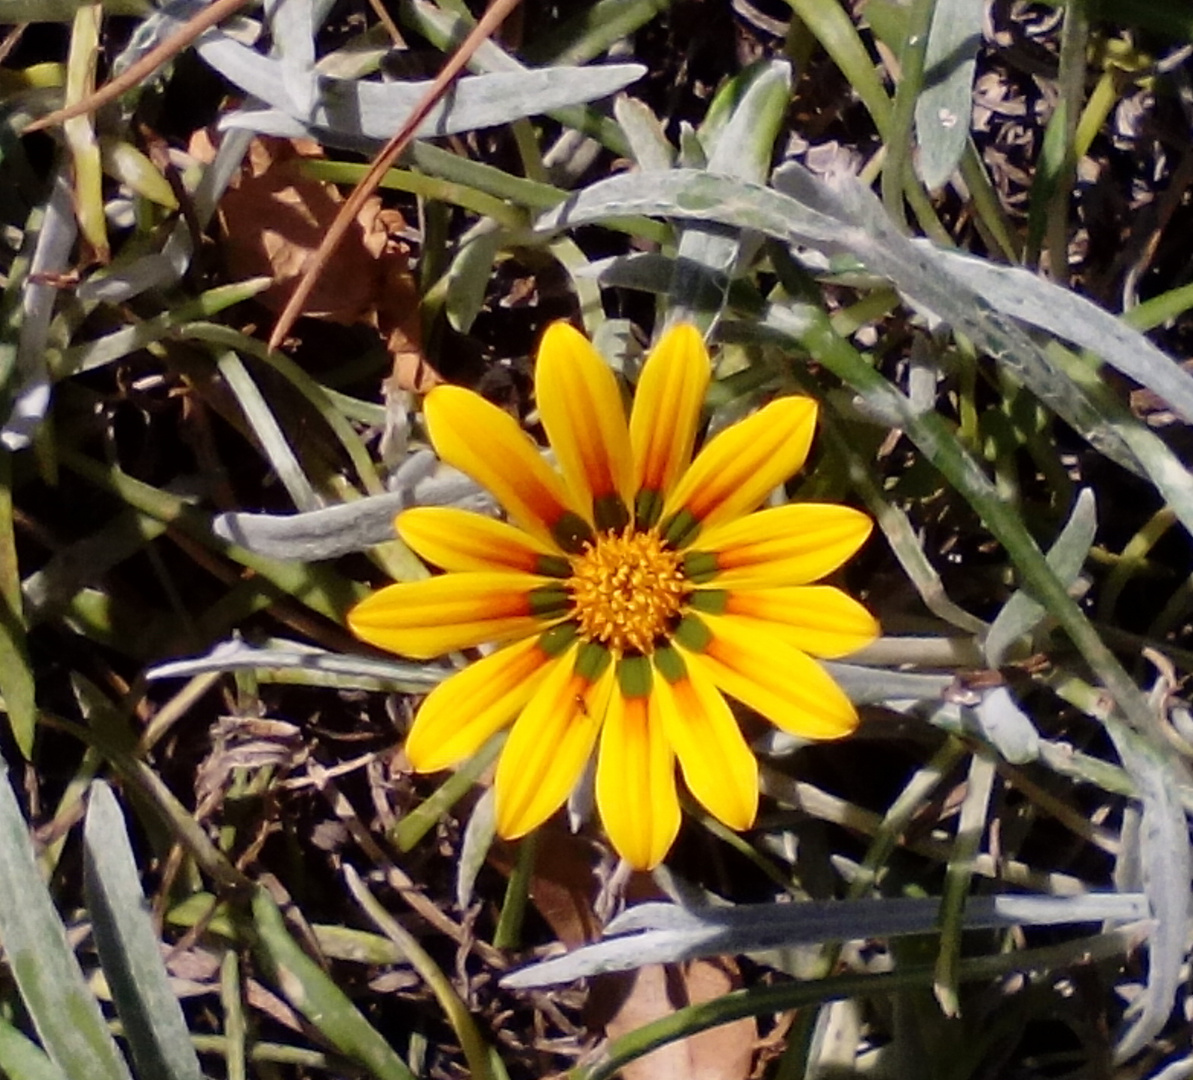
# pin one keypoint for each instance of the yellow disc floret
(627, 587)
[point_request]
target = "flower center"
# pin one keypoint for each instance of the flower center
(626, 589)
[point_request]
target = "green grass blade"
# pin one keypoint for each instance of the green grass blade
(971, 825)
(772, 999)
(23, 1059)
(314, 994)
(899, 138)
(16, 677)
(269, 432)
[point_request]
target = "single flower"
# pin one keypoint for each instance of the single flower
(632, 588)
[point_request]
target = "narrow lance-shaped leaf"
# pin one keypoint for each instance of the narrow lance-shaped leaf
(129, 949)
(945, 105)
(16, 677)
(667, 933)
(316, 996)
(1066, 557)
(23, 1059)
(1166, 863)
(48, 976)
(739, 138)
(349, 112)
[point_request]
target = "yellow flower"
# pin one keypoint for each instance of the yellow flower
(633, 587)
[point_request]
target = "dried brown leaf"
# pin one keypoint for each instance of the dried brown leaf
(657, 990)
(273, 218)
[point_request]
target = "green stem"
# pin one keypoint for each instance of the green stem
(797, 995)
(509, 925)
(900, 135)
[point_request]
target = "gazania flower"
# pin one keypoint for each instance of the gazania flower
(630, 590)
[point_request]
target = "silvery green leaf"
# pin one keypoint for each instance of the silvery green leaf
(479, 834)
(945, 104)
(666, 933)
(755, 102)
(926, 280)
(469, 274)
(645, 134)
(848, 219)
(1007, 727)
(152, 30)
(749, 112)
(691, 149)
(872, 686)
(340, 530)
(293, 26)
(273, 441)
(374, 111)
(693, 194)
(317, 534)
(48, 977)
(128, 947)
(1166, 865)
(1021, 613)
(1070, 316)
(616, 342)
(237, 656)
(646, 271)
(570, 156)
(52, 245)
(923, 373)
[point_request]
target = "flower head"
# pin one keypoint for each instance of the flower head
(631, 589)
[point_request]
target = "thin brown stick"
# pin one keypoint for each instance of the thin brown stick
(489, 22)
(11, 40)
(391, 27)
(143, 68)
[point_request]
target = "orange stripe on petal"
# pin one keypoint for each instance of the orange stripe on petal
(817, 619)
(717, 765)
(549, 746)
(581, 408)
(428, 618)
(488, 444)
(460, 715)
(738, 468)
(635, 782)
(782, 683)
(667, 406)
(785, 545)
(460, 540)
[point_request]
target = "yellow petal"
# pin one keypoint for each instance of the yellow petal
(459, 715)
(717, 764)
(635, 782)
(739, 467)
(666, 410)
(580, 404)
(488, 444)
(429, 618)
(775, 679)
(785, 545)
(548, 747)
(817, 619)
(460, 540)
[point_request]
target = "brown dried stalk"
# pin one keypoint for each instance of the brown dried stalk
(143, 68)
